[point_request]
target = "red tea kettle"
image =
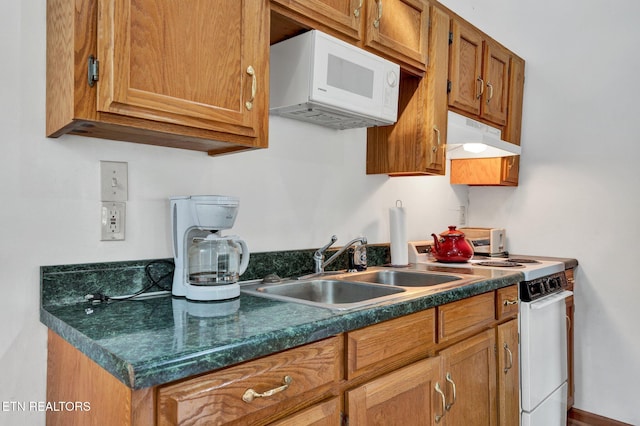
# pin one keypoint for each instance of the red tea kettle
(453, 247)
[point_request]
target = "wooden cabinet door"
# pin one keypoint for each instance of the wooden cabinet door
(496, 81)
(508, 374)
(323, 414)
(465, 67)
(399, 30)
(190, 62)
(342, 16)
(416, 143)
(470, 373)
(435, 102)
(405, 397)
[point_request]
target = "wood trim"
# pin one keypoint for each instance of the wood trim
(72, 376)
(583, 418)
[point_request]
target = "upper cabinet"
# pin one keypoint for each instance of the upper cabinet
(416, 144)
(501, 171)
(180, 74)
(478, 73)
(394, 29)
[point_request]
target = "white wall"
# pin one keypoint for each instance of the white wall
(308, 185)
(578, 194)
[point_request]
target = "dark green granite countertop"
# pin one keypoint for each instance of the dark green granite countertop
(161, 339)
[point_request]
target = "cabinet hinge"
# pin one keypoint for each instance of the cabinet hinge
(495, 349)
(93, 68)
(448, 86)
(450, 37)
(344, 419)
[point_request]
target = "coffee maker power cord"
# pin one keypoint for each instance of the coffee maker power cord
(100, 297)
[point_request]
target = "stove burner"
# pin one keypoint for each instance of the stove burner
(518, 260)
(501, 264)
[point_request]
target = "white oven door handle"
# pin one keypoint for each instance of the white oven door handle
(549, 300)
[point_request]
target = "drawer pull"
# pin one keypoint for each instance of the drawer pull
(250, 394)
(508, 302)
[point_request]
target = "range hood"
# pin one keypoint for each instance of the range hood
(467, 138)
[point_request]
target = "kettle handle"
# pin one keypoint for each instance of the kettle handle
(245, 256)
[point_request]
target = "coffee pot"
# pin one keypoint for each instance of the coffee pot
(217, 260)
(453, 247)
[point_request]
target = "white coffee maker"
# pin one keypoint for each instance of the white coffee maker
(207, 264)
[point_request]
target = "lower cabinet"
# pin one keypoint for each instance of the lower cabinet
(408, 396)
(404, 371)
(470, 381)
(508, 373)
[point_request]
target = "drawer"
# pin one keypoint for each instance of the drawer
(465, 316)
(401, 339)
(507, 302)
(222, 396)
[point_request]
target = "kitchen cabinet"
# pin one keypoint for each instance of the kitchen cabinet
(435, 366)
(470, 375)
(408, 396)
(508, 373)
(394, 29)
(261, 389)
(478, 74)
(177, 74)
(499, 171)
(416, 144)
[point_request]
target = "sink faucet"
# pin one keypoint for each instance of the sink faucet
(318, 256)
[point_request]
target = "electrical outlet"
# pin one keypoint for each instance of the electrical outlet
(463, 215)
(112, 224)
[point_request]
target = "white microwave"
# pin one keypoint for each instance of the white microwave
(323, 80)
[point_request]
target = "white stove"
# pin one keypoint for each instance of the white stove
(531, 268)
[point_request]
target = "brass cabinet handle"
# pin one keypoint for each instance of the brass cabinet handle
(254, 87)
(481, 81)
(508, 302)
(435, 129)
(490, 86)
(376, 23)
(356, 12)
(250, 394)
(450, 380)
(444, 403)
(568, 323)
(508, 351)
(434, 148)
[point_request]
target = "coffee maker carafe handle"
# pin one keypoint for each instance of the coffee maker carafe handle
(244, 262)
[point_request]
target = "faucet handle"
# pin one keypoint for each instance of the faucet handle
(324, 248)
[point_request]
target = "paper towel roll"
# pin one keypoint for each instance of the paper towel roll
(398, 231)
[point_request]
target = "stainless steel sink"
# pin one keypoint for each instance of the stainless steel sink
(343, 291)
(327, 293)
(404, 278)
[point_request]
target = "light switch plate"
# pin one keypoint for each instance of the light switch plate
(112, 226)
(113, 181)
